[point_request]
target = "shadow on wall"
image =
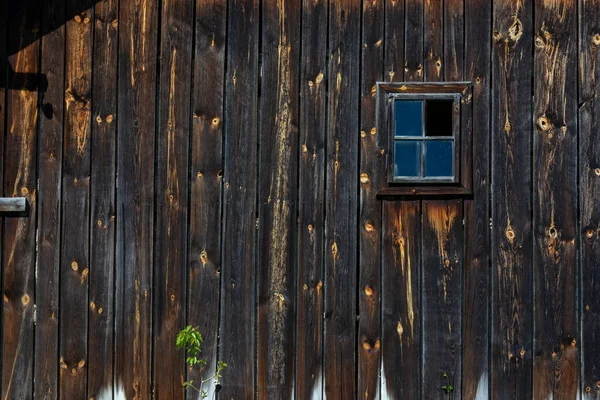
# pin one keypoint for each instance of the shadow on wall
(26, 24)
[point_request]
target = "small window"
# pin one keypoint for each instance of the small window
(430, 139)
(424, 139)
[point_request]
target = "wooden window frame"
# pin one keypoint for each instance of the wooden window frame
(461, 184)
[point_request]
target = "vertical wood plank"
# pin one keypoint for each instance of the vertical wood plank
(433, 37)
(373, 145)
(454, 39)
(172, 195)
(20, 180)
(556, 364)
(413, 40)
(135, 195)
(401, 301)
(512, 311)
(475, 366)
(394, 25)
(206, 181)
(589, 172)
(238, 293)
(51, 116)
(277, 197)
(311, 217)
(3, 84)
(75, 259)
(442, 253)
(102, 201)
(342, 199)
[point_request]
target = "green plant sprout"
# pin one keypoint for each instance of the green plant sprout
(448, 388)
(191, 340)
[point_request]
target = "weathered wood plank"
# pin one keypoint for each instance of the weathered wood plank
(442, 254)
(171, 181)
(394, 25)
(475, 366)
(454, 39)
(433, 38)
(556, 363)
(401, 302)
(278, 171)
(206, 181)
(342, 198)
(13, 204)
(20, 180)
(49, 200)
(589, 171)
(311, 197)
(512, 312)
(102, 201)
(238, 292)
(3, 76)
(135, 195)
(372, 178)
(74, 252)
(413, 40)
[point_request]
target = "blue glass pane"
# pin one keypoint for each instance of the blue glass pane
(439, 160)
(407, 158)
(409, 117)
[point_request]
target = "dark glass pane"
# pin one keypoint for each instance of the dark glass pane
(438, 118)
(409, 117)
(407, 158)
(439, 160)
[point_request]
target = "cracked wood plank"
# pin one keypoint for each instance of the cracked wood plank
(512, 297)
(138, 20)
(556, 343)
(171, 193)
(278, 183)
(401, 371)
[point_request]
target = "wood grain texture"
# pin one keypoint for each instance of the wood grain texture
(171, 181)
(138, 26)
(433, 39)
(394, 31)
(373, 146)
(238, 292)
(589, 212)
(413, 40)
(3, 80)
(311, 197)
(102, 200)
(512, 311)
(206, 181)
(556, 347)
(442, 255)
(341, 199)
(278, 185)
(475, 367)
(401, 300)
(20, 179)
(74, 253)
(49, 200)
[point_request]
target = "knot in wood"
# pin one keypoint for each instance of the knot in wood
(114, 23)
(598, 384)
(25, 299)
(74, 266)
(310, 228)
(510, 234)
(204, 257)
(369, 290)
(522, 353)
(373, 131)
(589, 233)
(24, 191)
(588, 389)
(596, 39)
(543, 123)
(77, 19)
(552, 232)
(215, 121)
(597, 171)
(369, 227)
(515, 31)
(363, 134)
(366, 345)
(364, 178)
(539, 42)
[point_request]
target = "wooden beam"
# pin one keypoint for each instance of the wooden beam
(13, 204)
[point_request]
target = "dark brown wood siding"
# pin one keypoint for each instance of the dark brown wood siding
(216, 163)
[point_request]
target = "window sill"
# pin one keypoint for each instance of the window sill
(395, 192)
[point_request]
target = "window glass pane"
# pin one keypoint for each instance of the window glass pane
(438, 120)
(409, 117)
(439, 160)
(407, 155)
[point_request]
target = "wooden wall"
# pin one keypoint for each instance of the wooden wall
(216, 163)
